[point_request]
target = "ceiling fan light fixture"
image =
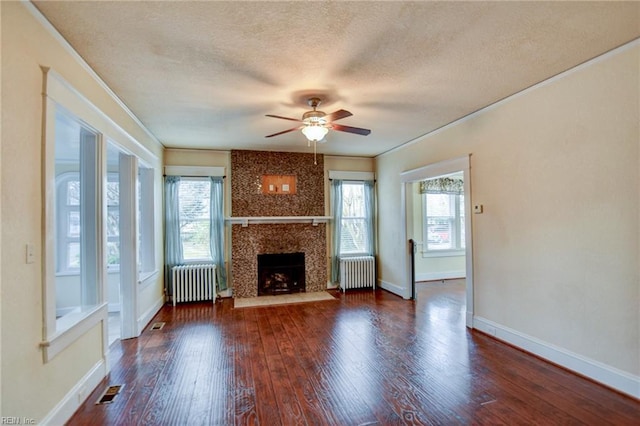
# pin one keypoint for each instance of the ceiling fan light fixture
(316, 124)
(314, 132)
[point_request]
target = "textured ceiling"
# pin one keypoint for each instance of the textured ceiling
(204, 74)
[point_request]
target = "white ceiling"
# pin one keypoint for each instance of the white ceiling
(204, 74)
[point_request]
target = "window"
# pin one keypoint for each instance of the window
(443, 222)
(68, 223)
(352, 207)
(354, 238)
(113, 221)
(68, 211)
(145, 218)
(194, 223)
(195, 220)
(77, 219)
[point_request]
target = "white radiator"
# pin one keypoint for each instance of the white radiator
(357, 272)
(192, 283)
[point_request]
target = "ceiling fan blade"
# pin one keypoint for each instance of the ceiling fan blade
(284, 131)
(341, 113)
(349, 129)
(284, 118)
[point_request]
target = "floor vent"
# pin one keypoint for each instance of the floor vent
(109, 395)
(157, 326)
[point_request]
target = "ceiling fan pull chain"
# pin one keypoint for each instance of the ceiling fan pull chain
(315, 162)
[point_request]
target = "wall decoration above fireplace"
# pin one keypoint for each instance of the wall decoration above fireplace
(279, 184)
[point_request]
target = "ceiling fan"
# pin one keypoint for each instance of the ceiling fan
(316, 124)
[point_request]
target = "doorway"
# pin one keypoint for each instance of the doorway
(437, 200)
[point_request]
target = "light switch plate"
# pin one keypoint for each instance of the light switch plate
(477, 209)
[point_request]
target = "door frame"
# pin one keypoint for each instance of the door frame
(128, 246)
(407, 178)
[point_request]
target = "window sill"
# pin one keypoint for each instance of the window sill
(145, 278)
(67, 273)
(348, 255)
(196, 261)
(443, 253)
(110, 271)
(76, 325)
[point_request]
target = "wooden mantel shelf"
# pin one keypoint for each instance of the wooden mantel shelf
(246, 221)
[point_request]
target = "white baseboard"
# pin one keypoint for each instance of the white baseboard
(395, 289)
(444, 275)
(148, 316)
(63, 411)
(619, 380)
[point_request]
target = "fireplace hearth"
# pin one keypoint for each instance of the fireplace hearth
(280, 273)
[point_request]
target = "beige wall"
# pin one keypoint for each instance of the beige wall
(556, 251)
(30, 387)
(197, 157)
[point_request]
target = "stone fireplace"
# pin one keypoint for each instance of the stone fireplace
(253, 238)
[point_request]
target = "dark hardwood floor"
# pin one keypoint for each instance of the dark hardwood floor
(367, 358)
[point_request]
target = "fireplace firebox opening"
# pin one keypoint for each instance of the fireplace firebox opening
(281, 273)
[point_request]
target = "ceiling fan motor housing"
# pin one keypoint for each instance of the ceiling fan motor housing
(314, 117)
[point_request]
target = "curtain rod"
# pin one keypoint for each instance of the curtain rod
(355, 180)
(188, 176)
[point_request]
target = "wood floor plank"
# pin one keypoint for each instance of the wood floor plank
(343, 400)
(244, 397)
(365, 358)
(266, 403)
(310, 403)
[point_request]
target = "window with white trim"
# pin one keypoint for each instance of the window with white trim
(146, 220)
(77, 219)
(68, 224)
(354, 238)
(113, 221)
(195, 221)
(443, 223)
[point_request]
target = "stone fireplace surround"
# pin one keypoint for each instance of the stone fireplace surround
(247, 200)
